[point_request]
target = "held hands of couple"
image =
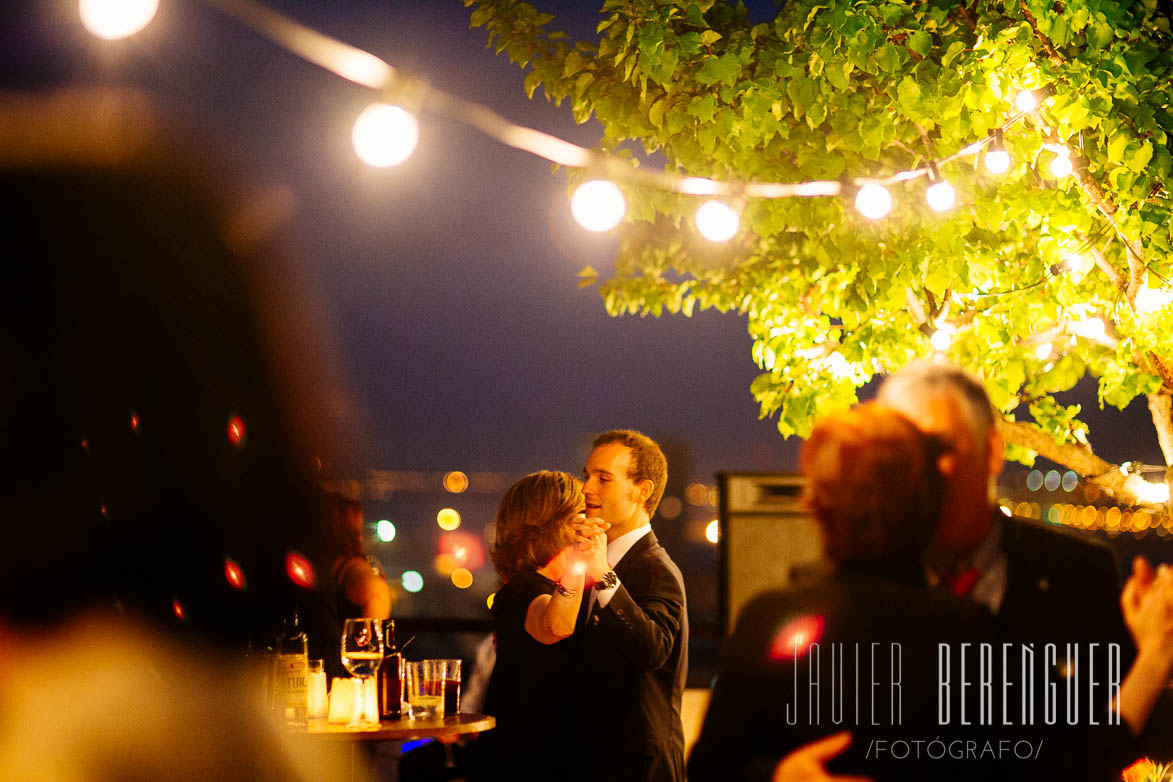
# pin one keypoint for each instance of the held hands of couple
(590, 538)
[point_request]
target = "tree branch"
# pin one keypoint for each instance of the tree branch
(1161, 409)
(1076, 457)
(1044, 41)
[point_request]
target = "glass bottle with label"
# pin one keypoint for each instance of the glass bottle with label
(293, 674)
(390, 676)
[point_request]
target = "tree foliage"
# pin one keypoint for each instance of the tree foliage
(835, 88)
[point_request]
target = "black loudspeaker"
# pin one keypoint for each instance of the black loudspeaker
(766, 536)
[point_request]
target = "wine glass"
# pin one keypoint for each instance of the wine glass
(362, 652)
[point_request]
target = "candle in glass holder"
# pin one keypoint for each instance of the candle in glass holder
(344, 702)
(317, 704)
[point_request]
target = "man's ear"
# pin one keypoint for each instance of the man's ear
(645, 489)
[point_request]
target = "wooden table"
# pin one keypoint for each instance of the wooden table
(445, 729)
(406, 730)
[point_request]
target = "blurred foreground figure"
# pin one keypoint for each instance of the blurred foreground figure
(151, 471)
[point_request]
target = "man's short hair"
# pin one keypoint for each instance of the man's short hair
(647, 461)
(924, 378)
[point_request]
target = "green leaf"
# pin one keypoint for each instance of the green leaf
(921, 42)
(710, 37)
(1138, 155)
(1117, 146)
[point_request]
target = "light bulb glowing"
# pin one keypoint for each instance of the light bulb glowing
(1026, 101)
(115, 19)
(1043, 351)
(716, 221)
(1148, 493)
(941, 196)
(598, 205)
(873, 201)
(1061, 166)
(385, 135)
(997, 161)
(942, 338)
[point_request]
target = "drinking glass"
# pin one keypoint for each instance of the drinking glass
(362, 651)
(425, 688)
(451, 687)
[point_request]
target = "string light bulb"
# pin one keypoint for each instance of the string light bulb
(598, 205)
(1044, 351)
(997, 158)
(112, 20)
(941, 196)
(1149, 300)
(385, 135)
(873, 201)
(942, 338)
(716, 221)
(1026, 101)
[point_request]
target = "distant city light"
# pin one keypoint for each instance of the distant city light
(713, 531)
(716, 221)
(385, 530)
(385, 135)
(448, 519)
(115, 19)
(598, 205)
(462, 578)
(412, 581)
(455, 482)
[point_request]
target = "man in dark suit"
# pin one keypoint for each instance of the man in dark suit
(634, 638)
(1043, 585)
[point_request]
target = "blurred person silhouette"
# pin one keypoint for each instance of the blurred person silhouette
(539, 556)
(351, 584)
(874, 490)
(152, 467)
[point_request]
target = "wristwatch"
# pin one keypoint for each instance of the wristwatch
(607, 581)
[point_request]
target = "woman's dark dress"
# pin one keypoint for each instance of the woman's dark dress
(528, 693)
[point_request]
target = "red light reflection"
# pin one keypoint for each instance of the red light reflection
(177, 607)
(795, 637)
(233, 574)
(464, 548)
(236, 430)
(134, 422)
(299, 570)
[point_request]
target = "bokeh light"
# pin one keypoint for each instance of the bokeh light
(1070, 481)
(233, 574)
(941, 196)
(598, 205)
(115, 19)
(1061, 166)
(448, 519)
(716, 221)
(385, 135)
(299, 570)
(873, 201)
(942, 338)
(489, 600)
(177, 608)
(134, 422)
(713, 531)
(236, 431)
(464, 548)
(795, 638)
(1034, 480)
(670, 507)
(461, 578)
(385, 530)
(696, 494)
(1052, 480)
(412, 581)
(455, 482)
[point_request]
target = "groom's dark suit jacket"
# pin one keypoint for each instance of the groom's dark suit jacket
(631, 680)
